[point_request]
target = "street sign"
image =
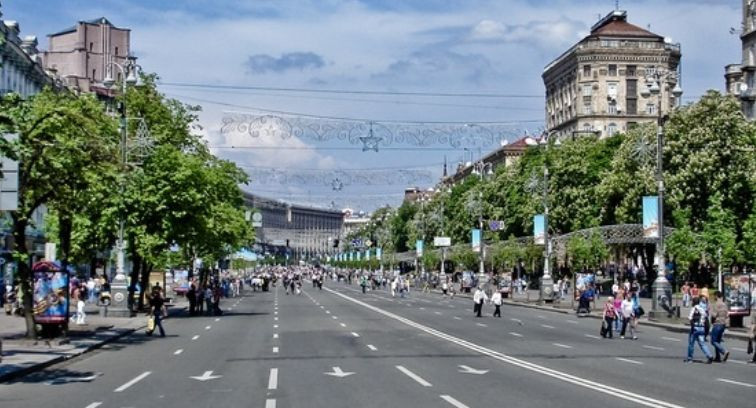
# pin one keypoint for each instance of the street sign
(442, 241)
(257, 220)
(494, 225)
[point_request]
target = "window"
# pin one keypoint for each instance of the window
(587, 108)
(632, 106)
(116, 51)
(631, 70)
(651, 109)
(586, 71)
(612, 70)
(91, 47)
(94, 74)
(587, 127)
(587, 90)
(612, 108)
(611, 89)
(611, 130)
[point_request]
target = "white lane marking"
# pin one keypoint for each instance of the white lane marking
(322, 307)
(546, 326)
(627, 360)
(654, 348)
(342, 324)
(422, 308)
(275, 349)
(602, 387)
(414, 376)
(208, 327)
(217, 320)
(328, 312)
(334, 317)
(177, 352)
(452, 401)
(572, 321)
(670, 339)
(196, 336)
(737, 361)
(541, 317)
(355, 334)
(270, 403)
(273, 379)
(515, 334)
(742, 350)
(438, 313)
(138, 378)
(372, 347)
(275, 335)
(481, 324)
(516, 320)
(562, 345)
(724, 380)
(94, 405)
(457, 318)
(592, 336)
(275, 326)
(275, 318)
(276, 312)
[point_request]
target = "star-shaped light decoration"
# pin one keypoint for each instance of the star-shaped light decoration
(371, 141)
(644, 152)
(337, 184)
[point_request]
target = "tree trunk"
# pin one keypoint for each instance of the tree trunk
(136, 262)
(144, 281)
(24, 271)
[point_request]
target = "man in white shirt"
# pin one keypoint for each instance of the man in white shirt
(497, 301)
(479, 298)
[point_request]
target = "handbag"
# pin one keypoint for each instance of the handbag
(150, 324)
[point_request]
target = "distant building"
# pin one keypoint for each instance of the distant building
(739, 78)
(505, 156)
(595, 86)
(21, 70)
(80, 54)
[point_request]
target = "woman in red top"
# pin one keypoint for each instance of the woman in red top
(609, 315)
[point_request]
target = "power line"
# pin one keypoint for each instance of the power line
(348, 169)
(348, 119)
(352, 92)
(409, 149)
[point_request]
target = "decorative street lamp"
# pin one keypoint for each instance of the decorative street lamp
(130, 72)
(656, 83)
(546, 291)
(483, 170)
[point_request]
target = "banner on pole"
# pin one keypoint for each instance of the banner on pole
(475, 240)
(651, 217)
(539, 229)
(419, 247)
(378, 253)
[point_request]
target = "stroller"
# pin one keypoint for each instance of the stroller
(584, 304)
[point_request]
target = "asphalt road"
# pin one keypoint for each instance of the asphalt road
(341, 348)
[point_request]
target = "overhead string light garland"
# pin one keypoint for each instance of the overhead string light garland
(372, 134)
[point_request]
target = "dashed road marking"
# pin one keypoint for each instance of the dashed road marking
(453, 401)
(275, 335)
(592, 336)
(275, 318)
(439, 313)
(571, 321)
(342, 324)
(627, 360)
(270, 403)
(742, 350)
(372, 347)
(94, 405)
(208, 327)
(654, 348)
(328, 312)
(546, 326)
(481, 324)
(273, 379)
(334, 317)
(355, 334)
(275, 349)
(275, 326)
(670, 339)
(562, 345)
(196, 336)
(138, 378)
(515, 334)
(217, 320)
(414, 376)
(457, 318)
(177, 352)
(516, 320)
(724, 380)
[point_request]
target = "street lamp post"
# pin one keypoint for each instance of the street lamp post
(119, 286)
(482, 169)
(655, 84)
(546, 292)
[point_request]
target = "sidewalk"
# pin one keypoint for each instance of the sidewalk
(21, 356)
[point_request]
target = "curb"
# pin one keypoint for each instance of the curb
(8, 377)
(665, 326)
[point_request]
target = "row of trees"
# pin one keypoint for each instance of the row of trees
(70, 163)
(710, 179)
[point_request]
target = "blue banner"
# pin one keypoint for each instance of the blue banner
(539, 229)
(475, 240)
(378, 253)
(419, 247)
(651, 217)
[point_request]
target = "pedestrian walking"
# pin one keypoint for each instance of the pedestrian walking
(628, 317)
(158, 312)
(191, 296)
(479, 297)
(618, 310)
(685, 294)
(208, 301)
(719, 324)
(752, 340)
(363, 283)
(496, 301)
(609, 314)
(698, 317)
(81, 316)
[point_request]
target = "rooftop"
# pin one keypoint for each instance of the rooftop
(96, 21)
(615, 24)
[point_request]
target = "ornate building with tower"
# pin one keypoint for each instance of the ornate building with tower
(596, 86)
(739, 78)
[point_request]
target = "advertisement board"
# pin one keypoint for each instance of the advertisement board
(50, 297)
(737, 293)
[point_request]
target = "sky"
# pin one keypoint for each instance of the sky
(492, 52)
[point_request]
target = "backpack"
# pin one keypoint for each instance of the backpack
(698, 318)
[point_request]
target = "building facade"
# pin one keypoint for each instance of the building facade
(595, 87)
(81, 54)
(505, 155)
(300, 231)
(21, 70)
(740, 79)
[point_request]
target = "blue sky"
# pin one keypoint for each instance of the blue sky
(472, 46)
